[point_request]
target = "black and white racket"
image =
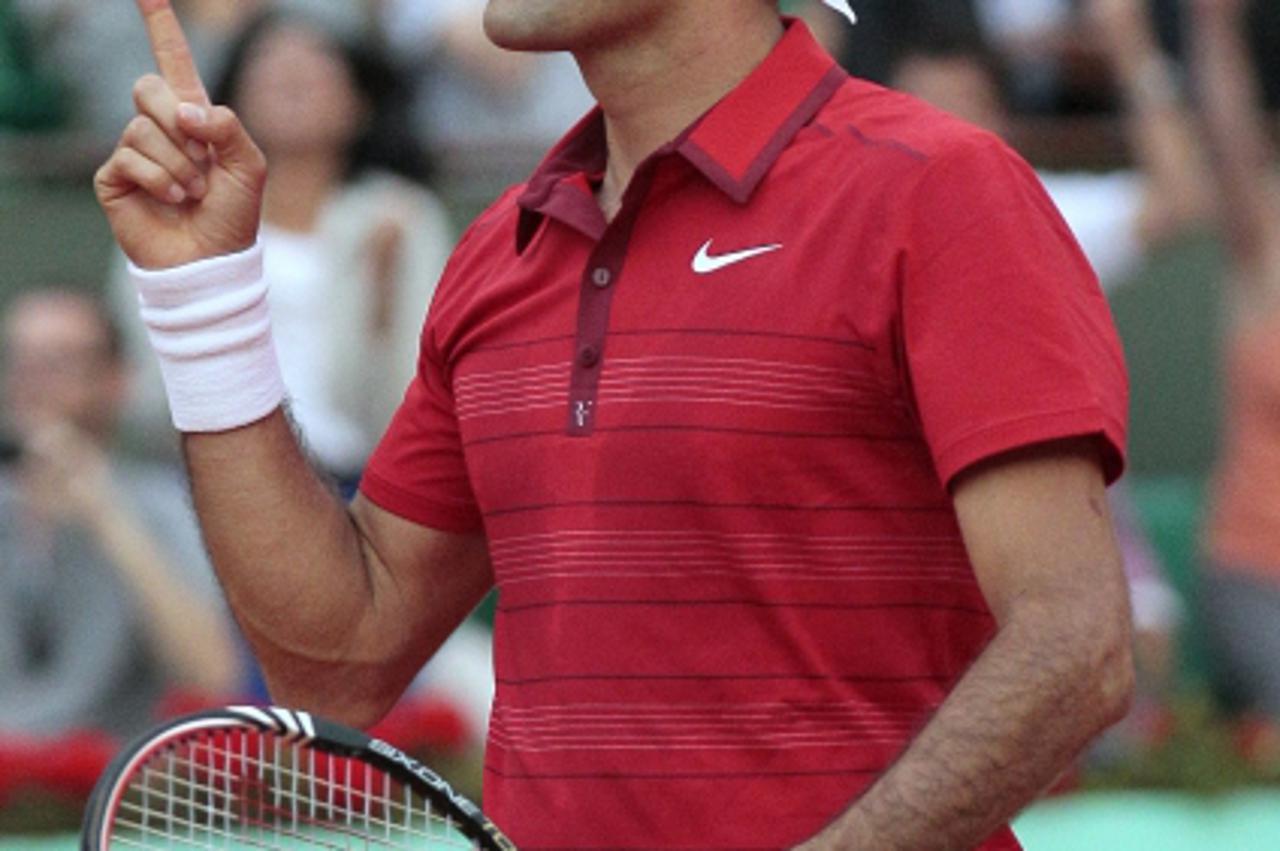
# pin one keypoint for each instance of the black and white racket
(249, 777)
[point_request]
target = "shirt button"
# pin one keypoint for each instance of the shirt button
(588, 356)
(601, 277)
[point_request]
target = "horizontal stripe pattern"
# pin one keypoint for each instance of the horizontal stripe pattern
(675, 776)
(664, 728)
(700, 554)
(731, 381)
(679, 428)
(667, 380)
(746, 604)
(514, 391)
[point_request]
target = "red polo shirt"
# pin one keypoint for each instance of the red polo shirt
(709, 445)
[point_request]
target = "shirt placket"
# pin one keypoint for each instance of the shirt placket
(600, 278)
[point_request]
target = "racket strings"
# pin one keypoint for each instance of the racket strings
(204, 821)
(251, 790)
(320, 797)
(148, 837)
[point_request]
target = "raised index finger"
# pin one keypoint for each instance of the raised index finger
(171, 51)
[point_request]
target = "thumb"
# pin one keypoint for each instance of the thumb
(219, 128)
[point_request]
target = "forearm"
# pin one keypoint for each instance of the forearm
(290, 561)
(1158, 127)
(183, 194)
(1229, 103)
(1043, 688)
(189, 635)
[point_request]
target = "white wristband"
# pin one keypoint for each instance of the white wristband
(210, 328)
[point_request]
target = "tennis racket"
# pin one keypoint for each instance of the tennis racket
(249, 777)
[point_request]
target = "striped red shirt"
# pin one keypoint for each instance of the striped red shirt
(709, 444)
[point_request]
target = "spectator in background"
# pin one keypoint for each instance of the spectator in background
(887, 27)
(107, 602)
(30, 99)
(1264, 29)
(472, 92)
(1118, 218)
(1030, 34)
(99, 48)
(354, 242)
(1241, 583)
(1049, 46)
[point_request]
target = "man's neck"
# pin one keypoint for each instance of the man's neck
(651, 89)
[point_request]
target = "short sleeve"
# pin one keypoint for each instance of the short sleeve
(418, 470)
(1008, 339)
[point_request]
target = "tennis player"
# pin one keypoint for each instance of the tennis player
(779, 408)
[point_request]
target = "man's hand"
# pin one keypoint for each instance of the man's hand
(1059, 670)
(185, 181)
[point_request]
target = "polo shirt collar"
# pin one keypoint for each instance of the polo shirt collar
(734, 144)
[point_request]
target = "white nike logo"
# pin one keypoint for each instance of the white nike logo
(704, 263)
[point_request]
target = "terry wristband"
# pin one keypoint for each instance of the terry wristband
(209, 326)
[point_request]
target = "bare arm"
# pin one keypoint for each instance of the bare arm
(1057, 673)
(1158, 125)
(1242, 157)
(190, 633)
(191, 638)
(341, 607)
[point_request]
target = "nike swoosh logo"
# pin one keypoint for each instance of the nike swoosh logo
(704, 263)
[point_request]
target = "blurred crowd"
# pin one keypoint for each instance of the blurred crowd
(109, 613)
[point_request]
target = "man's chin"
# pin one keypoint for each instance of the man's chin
(506, 27)
(534, 26)
(522, 42)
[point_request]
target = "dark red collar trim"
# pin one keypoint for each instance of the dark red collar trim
(740, 185)
(734, 144)
(581, 151)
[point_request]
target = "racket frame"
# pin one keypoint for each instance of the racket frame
(295, 727)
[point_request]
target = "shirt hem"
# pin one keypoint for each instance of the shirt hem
(1031, 430)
